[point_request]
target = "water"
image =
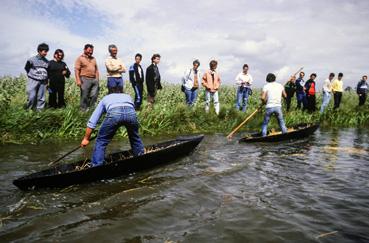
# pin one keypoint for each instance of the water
(310, 190)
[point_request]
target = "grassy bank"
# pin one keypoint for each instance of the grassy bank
(170, 115)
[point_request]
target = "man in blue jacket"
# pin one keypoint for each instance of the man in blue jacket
(362, 90)
(119, 109)
(136, 76)
(300, 91)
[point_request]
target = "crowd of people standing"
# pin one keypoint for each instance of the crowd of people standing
(44, 75)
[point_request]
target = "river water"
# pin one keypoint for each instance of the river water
(309, 190)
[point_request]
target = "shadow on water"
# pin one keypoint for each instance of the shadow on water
(309, 190)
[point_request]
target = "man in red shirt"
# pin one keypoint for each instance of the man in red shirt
(310, 93)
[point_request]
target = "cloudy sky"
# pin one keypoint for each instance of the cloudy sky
(270, 35)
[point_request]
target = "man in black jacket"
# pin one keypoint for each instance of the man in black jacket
(362, 90)
(57, 72)
(153, 79)
(136, 76)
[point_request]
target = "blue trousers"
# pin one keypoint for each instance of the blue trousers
(191, 96)
(268, 113)
(115, 82)
(242, 98)
(36, 94)
(138, 89)
(301, 99)
(117, 117)
(325, 101)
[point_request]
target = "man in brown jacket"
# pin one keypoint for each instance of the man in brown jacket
(87, 77)
(211, 82)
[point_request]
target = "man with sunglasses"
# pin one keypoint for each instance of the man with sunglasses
(57, 72)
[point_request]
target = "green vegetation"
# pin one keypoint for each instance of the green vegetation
(170, 115)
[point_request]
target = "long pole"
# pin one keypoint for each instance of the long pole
(229, 137)
(65, 155)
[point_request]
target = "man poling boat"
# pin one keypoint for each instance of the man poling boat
(116, 164)
(271, 96)
(120, 111)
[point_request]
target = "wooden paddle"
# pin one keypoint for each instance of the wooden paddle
(229, 137)
(65, 155)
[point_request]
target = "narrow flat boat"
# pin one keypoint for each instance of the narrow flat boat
(116, 164)
(296, 132)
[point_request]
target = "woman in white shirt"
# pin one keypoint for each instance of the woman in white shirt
(190, 83)
(244, 82)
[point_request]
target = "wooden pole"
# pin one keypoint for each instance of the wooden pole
(65, 155)
(229, 137)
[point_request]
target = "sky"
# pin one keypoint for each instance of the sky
(277, 36)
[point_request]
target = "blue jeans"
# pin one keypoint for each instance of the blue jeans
(191, 95)
(138, 89)
(301, 99)
(115, 82)
(325, 101)
(242, 98)
(268, 113)
(117, 117)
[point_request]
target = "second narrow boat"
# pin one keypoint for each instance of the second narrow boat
(298, 131)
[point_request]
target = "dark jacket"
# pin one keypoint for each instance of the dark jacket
(134, 75)
(300, 85)
(153, 80)
(362, 87)
(55, 70)
(290, 88)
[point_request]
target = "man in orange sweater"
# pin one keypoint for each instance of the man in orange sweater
(211, 82)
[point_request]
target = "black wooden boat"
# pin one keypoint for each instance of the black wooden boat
(117, 164)
(298, 131)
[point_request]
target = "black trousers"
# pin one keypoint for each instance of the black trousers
(337, 99)
(311, 103)
(56, 95)
(289, 97)
(362, 99)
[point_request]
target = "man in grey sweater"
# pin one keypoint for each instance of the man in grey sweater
(36, 68)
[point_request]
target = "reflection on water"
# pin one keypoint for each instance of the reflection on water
(309, 190)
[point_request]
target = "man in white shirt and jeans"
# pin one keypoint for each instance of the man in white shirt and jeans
(272, 96)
